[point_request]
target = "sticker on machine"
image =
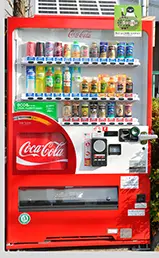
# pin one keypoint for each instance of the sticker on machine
(141, 205)
(24, 218)
(138, 162)
(129, 182)
(136, 213)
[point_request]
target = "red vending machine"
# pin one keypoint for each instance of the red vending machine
(79, 121)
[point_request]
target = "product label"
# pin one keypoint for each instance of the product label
(49, 81)
(136, 212)
(141, 205)
(129, 182)
(49, 109)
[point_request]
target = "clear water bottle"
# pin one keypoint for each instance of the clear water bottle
(76, 79)
(30, 80)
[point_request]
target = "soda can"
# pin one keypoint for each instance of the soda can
(58, 49)
(40, 49)
(93, 110)
(128, 110)
(121, 50)
(129, 50)
(111, 52)
(30, 51)
(75, 109)
(119, 109)
(103, 49)
(48, 49)
(111, 110)
(84, 51)
(67, 50)
(102, 110)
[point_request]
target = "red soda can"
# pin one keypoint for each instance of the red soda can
(30, 51)
(58, 49)
(48, 49)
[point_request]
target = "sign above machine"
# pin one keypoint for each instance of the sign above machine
(127, 21)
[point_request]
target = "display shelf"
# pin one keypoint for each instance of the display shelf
(79, 61)
(79, 96)
(104, 121)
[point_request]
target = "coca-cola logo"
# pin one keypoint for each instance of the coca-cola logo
(50, 149)
(84, 34)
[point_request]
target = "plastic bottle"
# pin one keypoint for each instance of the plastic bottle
(75, 50)
(40, 79)
(67, 80)
(76, 80)
(30, 80)
(58, 80)
(49, 80)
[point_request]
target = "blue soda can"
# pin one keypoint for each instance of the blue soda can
(111, 109)
(121, 50)
(103, 49)
(130, 50)
(49, 49)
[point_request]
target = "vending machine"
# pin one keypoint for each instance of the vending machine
(79, 125)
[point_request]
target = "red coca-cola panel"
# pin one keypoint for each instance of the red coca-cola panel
(41, 145)
(41, 151)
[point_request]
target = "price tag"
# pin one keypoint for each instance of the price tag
(39, 95)
(111, 120)
(67, 60)
(84, 95)
(129, 60)
(93, 95)
(49, 59)
(121, 60)
(95, 60)
(76, 119)
(58, 59)
(66, 95)
(29, 94)
(30, 58)
(75, 95)
(76, 59)
(57, 95)
(48, 95)
(128, 119)
(86, 60)
(112, 60)
(103, 60)
(40, 59)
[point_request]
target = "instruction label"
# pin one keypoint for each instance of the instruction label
(136, 213)
(129, 182)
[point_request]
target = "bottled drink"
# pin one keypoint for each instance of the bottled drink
(58, 80)
(49, 80)
(75, 50)
(94, 50)
(30, 79)
(40, 79)
(76, 80)
(67, 80)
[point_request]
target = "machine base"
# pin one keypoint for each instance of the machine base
(79, 243)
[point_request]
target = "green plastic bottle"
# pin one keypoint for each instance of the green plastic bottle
(58, 80)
